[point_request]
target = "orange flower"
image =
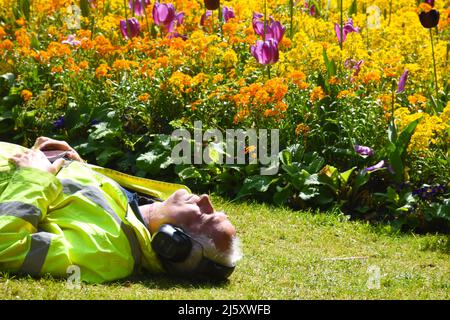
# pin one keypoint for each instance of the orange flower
(124, 64)
(333, 80)
(21, 22)
(389, 72)
(6, 44)
(2, 33)
(103, 45)
(57, 69)
(297, 77)
(302, 129)
(345, 93)
(26, 95)
(102, 71)
(425, 7)
(317, 94)
(144, 97)
(372, 76)
(84, 64)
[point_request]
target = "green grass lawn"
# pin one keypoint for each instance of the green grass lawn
(289, 255)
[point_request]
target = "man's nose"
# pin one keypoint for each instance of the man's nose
(205, 205)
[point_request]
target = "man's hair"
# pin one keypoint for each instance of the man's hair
(204, 246)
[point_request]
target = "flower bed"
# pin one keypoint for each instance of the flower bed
(358, 93)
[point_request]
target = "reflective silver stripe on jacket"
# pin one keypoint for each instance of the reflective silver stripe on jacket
(96, 195)
(35, 258)
(22, 210)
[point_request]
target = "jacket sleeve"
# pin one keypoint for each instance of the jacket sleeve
(23, 204)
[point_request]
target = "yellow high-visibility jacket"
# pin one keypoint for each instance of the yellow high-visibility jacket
(80, 217)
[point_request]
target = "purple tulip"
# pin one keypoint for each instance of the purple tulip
(139, 6)
(266, 52)
(353, 65)
(348, 27)
(205, 16)
(130, 28)
(430, 2)
(380, 165)
(357, 67)
(258, 25)
(227, 13)
(274, 29)
(364, 151)
(402, 82)
(164, 15)
(71, 41)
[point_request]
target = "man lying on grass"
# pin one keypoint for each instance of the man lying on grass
(62, 214)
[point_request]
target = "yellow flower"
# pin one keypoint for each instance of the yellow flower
(230, 58)
(217, 78)
(429, 130)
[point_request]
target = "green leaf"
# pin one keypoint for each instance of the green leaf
(325, 196)
(297, 151)
(84, 6)
(313, 162)
(392, 132)
(309, 193)
(102, 131)
(353, 8)
(107, 155)
(255, 184)
(344, 176)
(190, 173)
(312, 180)
(405, 136)
(282, 194)
(331, 65)
(25, 8)
(153, 161)
(392, 195)
(285, 157)
(361, 179)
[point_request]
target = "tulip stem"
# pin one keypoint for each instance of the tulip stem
(146, 19)
(220, 21)
(265, 19)
(268, 71)
(341, 31)
(390, 12)
(126, 19)
(393, 109)
(434, 64)
(291, 5)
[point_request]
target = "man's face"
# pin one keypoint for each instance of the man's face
(195, 215)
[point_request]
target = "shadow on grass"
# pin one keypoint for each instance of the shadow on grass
(167, 282)
(150, 281)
